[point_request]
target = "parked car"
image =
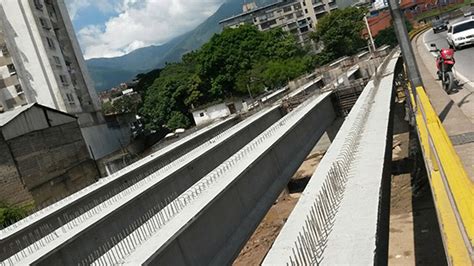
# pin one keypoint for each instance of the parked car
(468, 11)
(461, 34)
(439, 26)
(171, 135)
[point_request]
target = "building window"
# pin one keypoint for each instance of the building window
(38, 4)
(306, 11)
(4, 50)
(57, 61)
(11, 69)
(63, 79)
(44, 23)
(50, 43)
(70, 99)
(19, 89)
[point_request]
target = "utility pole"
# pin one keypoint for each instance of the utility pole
(405, 45)
(370, 34)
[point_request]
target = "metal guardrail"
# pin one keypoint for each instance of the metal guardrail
(417, 31)
(452, 188)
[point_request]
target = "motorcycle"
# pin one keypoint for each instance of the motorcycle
(445, 63)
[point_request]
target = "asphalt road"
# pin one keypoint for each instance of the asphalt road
(464, 58)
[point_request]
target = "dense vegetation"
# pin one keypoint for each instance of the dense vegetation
(240, 61)
(229, 65)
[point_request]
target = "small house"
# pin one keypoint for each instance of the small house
(208, 113)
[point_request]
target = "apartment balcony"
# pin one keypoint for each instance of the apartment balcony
(317, 4)
(54, 23)
(320, 11)
(289, 21)
(10, 81)
(302, 23)
(4, 49)
(5, 61)
(292, 26)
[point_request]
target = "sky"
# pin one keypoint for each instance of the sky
(110, 28)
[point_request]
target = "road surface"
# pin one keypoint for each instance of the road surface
(464, 67)
(463, 70)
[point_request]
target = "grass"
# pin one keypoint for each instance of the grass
(10, 214)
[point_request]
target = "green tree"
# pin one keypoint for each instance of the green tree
(178, 120)
(175, 90)
(226, 60)
(146, 80)
(230, 64)
(108, 108)
(340, 32)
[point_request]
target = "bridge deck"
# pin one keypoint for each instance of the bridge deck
(337, 218)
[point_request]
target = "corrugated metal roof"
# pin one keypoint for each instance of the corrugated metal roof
(10, 115)
(31, 117)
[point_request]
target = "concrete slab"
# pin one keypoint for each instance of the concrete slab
(115, 214)
(336, 223)
(231, 205)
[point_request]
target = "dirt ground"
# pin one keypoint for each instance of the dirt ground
(260, 242)
(414, 237)
(401, 247)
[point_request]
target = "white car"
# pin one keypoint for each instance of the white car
(461, 33)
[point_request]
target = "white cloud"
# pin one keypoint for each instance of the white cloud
(74, 6)
(141, 23)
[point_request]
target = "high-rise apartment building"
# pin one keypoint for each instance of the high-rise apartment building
(41, 61)
(298, 17)
(316, 9)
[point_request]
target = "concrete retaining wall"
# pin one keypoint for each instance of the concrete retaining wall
(49, 163)
(86, 241)
(217, 232)
(12, 189)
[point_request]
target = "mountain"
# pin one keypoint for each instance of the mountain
(109, 72)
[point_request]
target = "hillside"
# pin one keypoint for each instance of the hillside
(108, 72)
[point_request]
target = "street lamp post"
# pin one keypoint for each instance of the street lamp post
(370, 33)
(405, 45)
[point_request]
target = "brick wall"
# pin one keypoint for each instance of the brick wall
(12, 189)
(53, 162)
